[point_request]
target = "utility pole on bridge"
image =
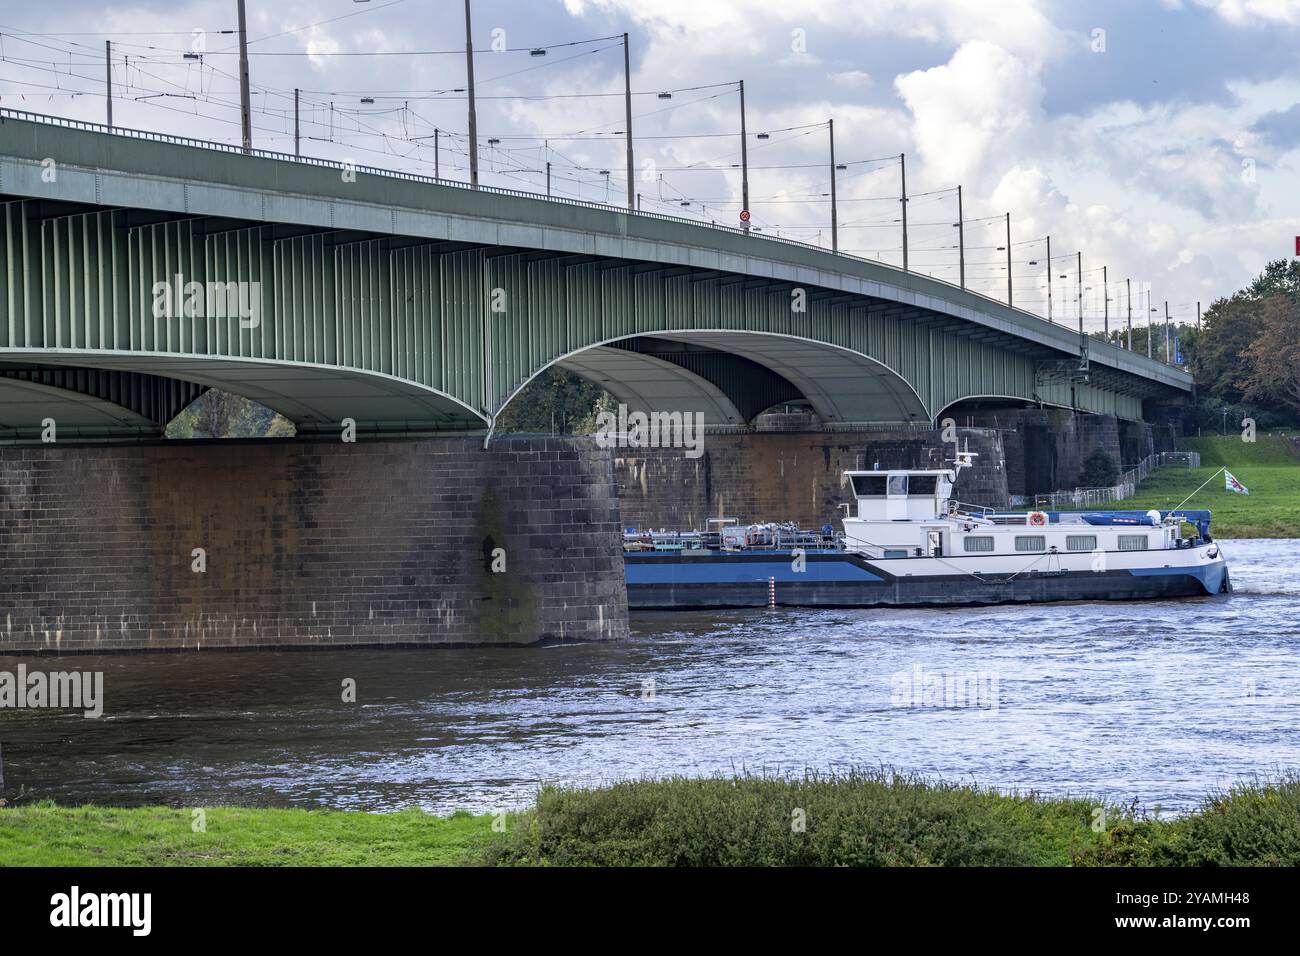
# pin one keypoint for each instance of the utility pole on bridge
(1169, 358)
(473, 117)
(108, 80)
(1150, 309)
(1079, 289)
(961, 240)
(246, 115)
(835, 226)
(627, 104)
(1105, 302)
(902, 166)
(1129, 285)
(744, 159)
(1049, 278)
(1008, 259)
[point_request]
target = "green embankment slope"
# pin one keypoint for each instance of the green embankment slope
(1269, 467)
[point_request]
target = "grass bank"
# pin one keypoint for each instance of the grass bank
(43, 834)
(860, 819)
(1269, 467)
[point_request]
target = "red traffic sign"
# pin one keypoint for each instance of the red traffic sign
(744, 217)
(1297, 245)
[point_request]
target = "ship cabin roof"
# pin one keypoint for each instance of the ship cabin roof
(900, 482)
(900, 494)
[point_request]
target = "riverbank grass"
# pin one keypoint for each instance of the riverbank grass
(1269, 467)
(43, 834)
(855, 819)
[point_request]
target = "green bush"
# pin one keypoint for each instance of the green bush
(1251, 824)
(1099, 470)
(855, 819)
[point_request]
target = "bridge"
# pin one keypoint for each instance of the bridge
(414, 305)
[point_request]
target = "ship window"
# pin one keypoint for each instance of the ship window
(979, 542)
(1132, 542)
(922, 486)
(1031, 542)
(1080, 542)
(869, 486)
(897, 485)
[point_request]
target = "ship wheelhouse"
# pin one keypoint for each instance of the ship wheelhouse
(907, 513)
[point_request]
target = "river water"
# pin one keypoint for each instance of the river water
(1158, 702)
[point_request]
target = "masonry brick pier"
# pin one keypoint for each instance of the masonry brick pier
(789, 475)
(789, 467)
(308, 543)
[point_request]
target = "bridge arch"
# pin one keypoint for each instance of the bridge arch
(733, 375)
(88, 402)
(314, 397)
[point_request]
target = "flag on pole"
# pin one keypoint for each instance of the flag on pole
(1230, 483)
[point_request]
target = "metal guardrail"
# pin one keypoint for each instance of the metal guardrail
(497, 190)
(1125, 487)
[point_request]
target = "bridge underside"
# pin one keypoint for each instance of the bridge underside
(314, 398)
(733, 377)
(87, 402)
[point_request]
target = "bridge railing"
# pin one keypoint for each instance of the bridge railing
(498, 190)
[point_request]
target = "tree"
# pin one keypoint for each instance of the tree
(1099, 470)
(1229, 328)
(1280, 277)
(218, 414)
(1274, 355)
(556, 401)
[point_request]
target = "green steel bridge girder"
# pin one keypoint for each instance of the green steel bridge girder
(402, 329)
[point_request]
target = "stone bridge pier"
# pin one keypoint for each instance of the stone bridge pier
(791, 475)
(238, 544)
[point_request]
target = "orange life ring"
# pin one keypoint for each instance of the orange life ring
(1037, 519)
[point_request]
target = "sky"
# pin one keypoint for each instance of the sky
(1158, 138)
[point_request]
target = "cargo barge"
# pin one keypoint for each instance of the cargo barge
(908, 543)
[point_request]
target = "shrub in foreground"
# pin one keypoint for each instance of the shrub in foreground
(1250, 824)
(855, 819)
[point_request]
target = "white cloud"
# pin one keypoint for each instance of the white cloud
(1255, 12)
(851, 79)
(972, 109)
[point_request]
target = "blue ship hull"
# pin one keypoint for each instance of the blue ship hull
(713, 579)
